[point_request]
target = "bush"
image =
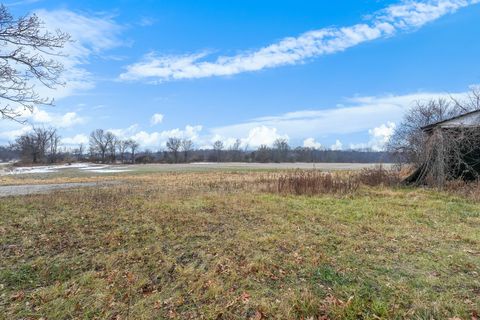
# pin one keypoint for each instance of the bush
(378, 176)
(312, 182)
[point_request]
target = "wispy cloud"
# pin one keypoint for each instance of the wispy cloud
(91, 36)
(373, 115)
(157, 118)
(147, 21)
(21, 3)
(403, 17)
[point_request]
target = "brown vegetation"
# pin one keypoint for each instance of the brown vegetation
(315, 182)
(311, 182)
(213, 245)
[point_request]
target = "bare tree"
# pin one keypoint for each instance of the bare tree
(133, 145)
(38, 146)
(27, 52)
(111, 141)
(281, 149)
(54, 144)
(218, 148)
(186, 146)
(263, 154)
(235, 151)
(122, 146)
(80, 151)
(174, 144)
(99, 143)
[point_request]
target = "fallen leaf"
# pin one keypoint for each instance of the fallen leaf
(245, 297)
(18, 296)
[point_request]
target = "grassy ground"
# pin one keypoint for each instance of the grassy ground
(213, 245)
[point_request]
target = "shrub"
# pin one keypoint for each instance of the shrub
(378, 176)
(311, 182)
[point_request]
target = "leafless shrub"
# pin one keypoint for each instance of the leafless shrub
(379, 176)
(312, 182)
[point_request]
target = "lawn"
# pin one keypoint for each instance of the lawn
(215, 245)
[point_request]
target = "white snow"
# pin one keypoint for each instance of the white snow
(90, 167)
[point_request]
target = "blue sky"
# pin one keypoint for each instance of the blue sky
(332, 74)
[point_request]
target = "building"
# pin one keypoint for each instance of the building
(452, 150)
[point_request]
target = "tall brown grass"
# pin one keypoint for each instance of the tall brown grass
(379, 176)
(312, 182)
(467, 189)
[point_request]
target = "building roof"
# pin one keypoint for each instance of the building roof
(469, 119)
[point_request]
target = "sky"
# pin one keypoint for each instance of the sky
(324, 74)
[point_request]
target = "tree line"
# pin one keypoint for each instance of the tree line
(42, 146)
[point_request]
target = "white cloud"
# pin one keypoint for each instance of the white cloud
(69, 119)
(42, 117)
(157, 139)
(337, 146)
(385, 23)
(91, 34)
(311, 143)
(75, 140)
(12, 133)
(208, 143)
(381, 135)
(126, 132)
(262, 135)
(39, 117)
(253, 138)
(157, 118)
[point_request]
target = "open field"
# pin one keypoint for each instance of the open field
(89, 172)
(84, 169)
(217, 244)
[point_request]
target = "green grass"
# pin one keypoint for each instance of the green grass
(190, 246)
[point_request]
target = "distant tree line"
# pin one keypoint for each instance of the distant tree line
(8, 154)
(42, 145)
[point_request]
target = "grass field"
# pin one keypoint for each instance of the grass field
(217, 245)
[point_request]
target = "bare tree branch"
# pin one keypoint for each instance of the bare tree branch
(26, 51)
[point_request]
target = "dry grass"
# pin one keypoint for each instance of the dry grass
(379, 176)
(312, 182)
(467, 189)
(215, 246)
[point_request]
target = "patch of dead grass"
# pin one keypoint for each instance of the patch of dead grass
(217, 246)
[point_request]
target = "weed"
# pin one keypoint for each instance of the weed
(312, 182)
